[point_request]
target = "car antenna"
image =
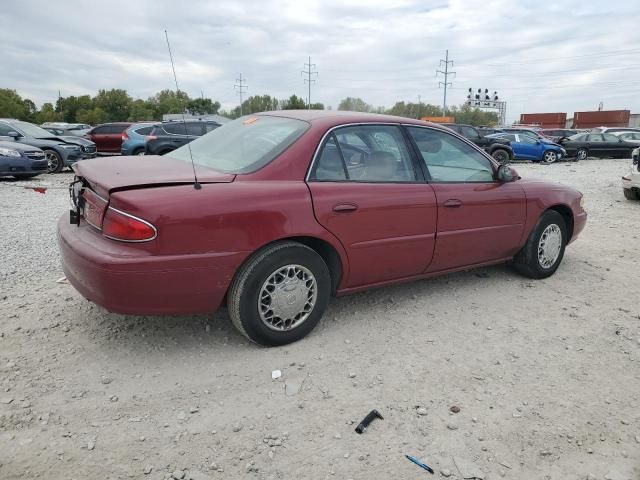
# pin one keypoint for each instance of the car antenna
(196, 184)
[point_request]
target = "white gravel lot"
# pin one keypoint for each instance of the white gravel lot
(546, 373)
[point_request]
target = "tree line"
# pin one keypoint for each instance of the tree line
(116, 105)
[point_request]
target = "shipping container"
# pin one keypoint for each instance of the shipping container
(544, 120)
(439, 119)
(601, 118)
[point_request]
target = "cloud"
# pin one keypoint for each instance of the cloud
(563, 55)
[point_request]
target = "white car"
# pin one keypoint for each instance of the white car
(631, 181)
(629, 137)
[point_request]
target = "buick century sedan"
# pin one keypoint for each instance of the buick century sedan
(274, 213)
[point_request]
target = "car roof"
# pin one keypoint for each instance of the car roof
(342, 117)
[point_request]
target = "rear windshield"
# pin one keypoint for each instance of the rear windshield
(244, 145)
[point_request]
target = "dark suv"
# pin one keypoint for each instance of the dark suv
(167, 136)
(498, 148)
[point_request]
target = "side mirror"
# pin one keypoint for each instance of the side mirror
(14, 134)
(506, 174)
(538, 142)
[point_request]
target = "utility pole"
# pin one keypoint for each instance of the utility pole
(446, 82)
(310, 70)
(241, 89)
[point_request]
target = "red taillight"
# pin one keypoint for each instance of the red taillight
(149, 137)
(122, 226)
(125, 137)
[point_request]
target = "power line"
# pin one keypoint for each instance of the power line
(309, 71)
(446, 83)
(241, 89)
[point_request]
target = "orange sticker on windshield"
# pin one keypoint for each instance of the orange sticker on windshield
(251, 120)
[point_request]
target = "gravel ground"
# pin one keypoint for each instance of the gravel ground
(545, 373)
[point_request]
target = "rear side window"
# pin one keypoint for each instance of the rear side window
(143, 130)
(101, 130)
(179, 128)
(608, 137)
(595, 138)
(469, 132)
(210, 126)
(330, 165)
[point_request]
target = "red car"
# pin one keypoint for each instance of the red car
(292, 207)
(108, 136)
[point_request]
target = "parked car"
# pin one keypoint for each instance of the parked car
(614, 129)
(280, 218)
(497, 147)
(632, 138)
(484, 131)
(21, 161)
(584, 145)
(527, 148)
(108, 136)
(167, 136)
(73, 129)
(87, 146)
(59, 153)
(556, 134)
(133, 138)
(631, 181)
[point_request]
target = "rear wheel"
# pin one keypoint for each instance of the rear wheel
(54, 161)
(279, 294)
(138, 151)
(543, 252)
(582, 154)
(500, 155)
(550, 156)
(631, 194)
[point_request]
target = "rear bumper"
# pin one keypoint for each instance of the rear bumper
(125, 279)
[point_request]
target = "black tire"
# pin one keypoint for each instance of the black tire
(501, 156)
(25, 176)
(582, 154)
(549, 156)
(631, 194)
(527, 261)
(55, 162)
(138, 151)
(242, 300)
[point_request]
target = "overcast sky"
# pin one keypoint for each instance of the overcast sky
(541, 56)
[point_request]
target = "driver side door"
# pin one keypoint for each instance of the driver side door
(480, 219)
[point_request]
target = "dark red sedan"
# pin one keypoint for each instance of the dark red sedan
(292, 207)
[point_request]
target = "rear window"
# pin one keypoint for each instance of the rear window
(244, 145)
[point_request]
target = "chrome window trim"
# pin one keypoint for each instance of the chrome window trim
(155, 230)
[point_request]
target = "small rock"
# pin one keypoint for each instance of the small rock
(445, 472)
(421, 411)
(207, 328)
(236, 428)
(147, 470)
(337, 436)
(452, 426)
(106, 380)
(178, 475)
(352, 375)
(455, 409)
(193, 410)
(589, 450)
(545, 453)
(91, 444)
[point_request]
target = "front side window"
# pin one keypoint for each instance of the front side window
(100, 130)
(243, 145)
(5, 129)
(449, 159)
(595, 138)
(369, 153)
(470, 133)
(526, 139)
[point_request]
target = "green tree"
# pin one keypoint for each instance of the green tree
(115, 103)
(473, 116)
(68, 107)
(293, 103)
(47, 114)
(354, 104)
(167, 101)
(414, 110)
(202, 106)
(92, 117)
(317, 106)
(141, 110)
(11, 104)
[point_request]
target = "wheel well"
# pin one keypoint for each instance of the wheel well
(328, 254)
(567, 215)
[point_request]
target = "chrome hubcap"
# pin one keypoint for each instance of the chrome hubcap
(549, 246)
(550, 157)
(287, 297)
(582, 154)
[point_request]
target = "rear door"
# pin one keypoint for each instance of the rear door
(595, 144)
(615, 147)
(114, 137)
(99, 136)
(531, 147)
(479, 219)
(368, 193)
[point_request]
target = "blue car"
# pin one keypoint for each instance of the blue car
(526, 147)
(21, 161)
(133, 138)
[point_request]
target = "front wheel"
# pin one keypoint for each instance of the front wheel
(279, 294)
(54, 161)
(501, 156)
(543, 252)
(550, 156)
(582, 154)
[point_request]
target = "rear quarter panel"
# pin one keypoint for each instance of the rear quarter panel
(224, 217)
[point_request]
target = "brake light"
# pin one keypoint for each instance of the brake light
(125, 137)
(149, 137)
(122, 226)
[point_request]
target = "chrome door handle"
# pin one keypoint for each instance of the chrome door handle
(345, 208)
(453, 203)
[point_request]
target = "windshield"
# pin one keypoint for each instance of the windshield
(31, 130)
(244, 145)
